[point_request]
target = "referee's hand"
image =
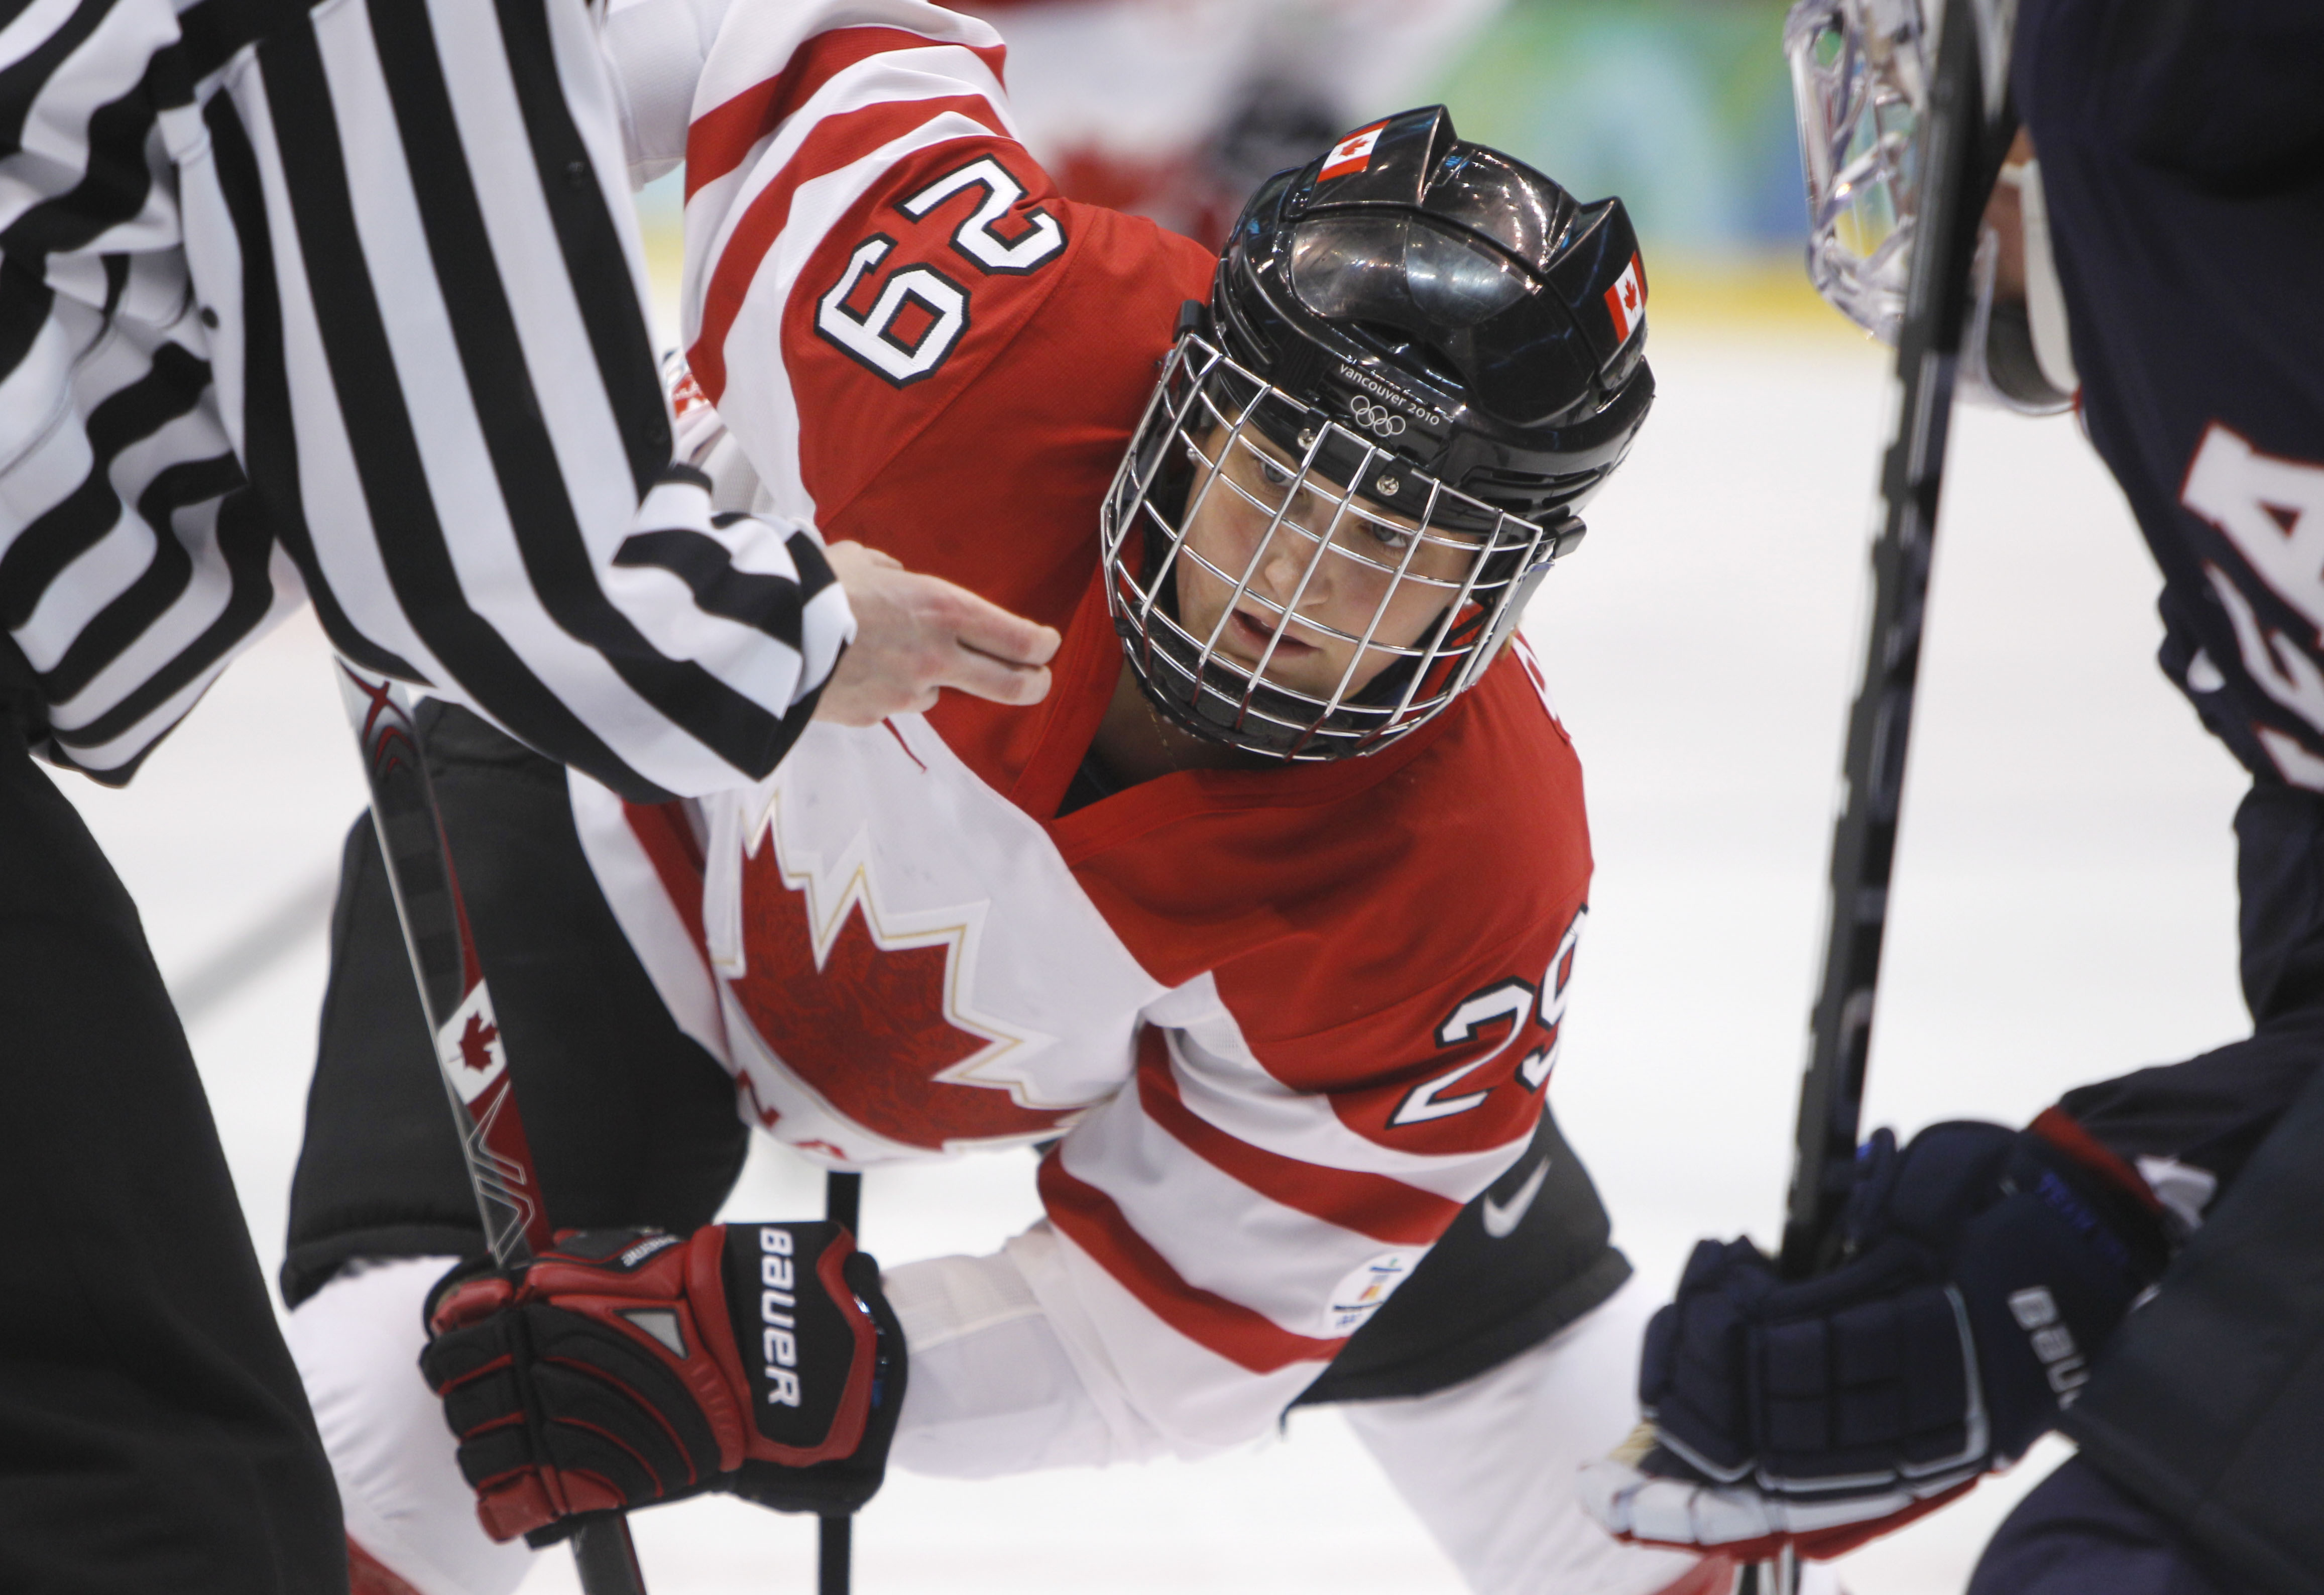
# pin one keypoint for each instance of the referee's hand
(915, 634)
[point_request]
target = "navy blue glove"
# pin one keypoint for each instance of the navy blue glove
(1982, 1268)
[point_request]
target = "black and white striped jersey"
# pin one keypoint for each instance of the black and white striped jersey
(346, 302)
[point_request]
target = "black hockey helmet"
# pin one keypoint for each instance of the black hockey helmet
(1447, 349)
(1464, 290)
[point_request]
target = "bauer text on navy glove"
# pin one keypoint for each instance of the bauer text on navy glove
(1982, 1268)
(628, 1367)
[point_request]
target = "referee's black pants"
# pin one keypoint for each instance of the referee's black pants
(154, 1439)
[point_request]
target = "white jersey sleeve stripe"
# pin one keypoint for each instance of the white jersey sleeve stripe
(1223, 1082)
(1222, 1238)
(1103, 1326)
(754, 393)
(1368, 1202)
(1095, 1224)
(856, 113)
(743, 83)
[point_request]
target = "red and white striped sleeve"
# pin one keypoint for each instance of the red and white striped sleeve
(863, 231)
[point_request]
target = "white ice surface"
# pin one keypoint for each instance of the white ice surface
(2063, 911)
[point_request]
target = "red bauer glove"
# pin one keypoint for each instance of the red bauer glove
(628, 1367)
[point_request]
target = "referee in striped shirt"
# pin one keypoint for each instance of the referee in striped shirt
(341, 304)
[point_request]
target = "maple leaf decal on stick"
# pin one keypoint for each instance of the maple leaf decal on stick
(870, 1030)
(476, 1044)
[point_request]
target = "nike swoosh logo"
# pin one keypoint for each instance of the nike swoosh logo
(1501, 1218)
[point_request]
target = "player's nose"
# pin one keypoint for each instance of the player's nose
(1283, 565)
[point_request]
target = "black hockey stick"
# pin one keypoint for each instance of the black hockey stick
(469, 1051)
(1960, 158)
(843, 1203)
(1960, 152)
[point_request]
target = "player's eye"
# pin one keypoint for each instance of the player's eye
(1394, 539)
(1273, 474)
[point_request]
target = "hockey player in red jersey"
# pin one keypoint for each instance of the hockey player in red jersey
(1266, 919)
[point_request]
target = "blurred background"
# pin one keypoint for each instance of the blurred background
(2063, 907)
(1176, 109)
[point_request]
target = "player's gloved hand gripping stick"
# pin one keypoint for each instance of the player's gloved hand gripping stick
(1983, 1265)
(587, 1373)
(627, 1367)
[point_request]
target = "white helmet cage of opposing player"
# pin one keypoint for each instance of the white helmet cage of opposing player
(1861, 85)
(1416, 366)
(1860, 90)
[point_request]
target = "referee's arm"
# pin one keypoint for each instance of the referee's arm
(350, 301)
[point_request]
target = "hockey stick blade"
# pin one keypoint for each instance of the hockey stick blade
(471, 1054)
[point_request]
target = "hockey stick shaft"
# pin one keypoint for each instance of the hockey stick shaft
(470, 1052)
(1880, 723)
(843, 1203)
(1954, 153)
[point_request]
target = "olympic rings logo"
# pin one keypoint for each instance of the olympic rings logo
(1382, 421)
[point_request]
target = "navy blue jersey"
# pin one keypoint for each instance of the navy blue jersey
(2183, 157)
(2182, 149)
(2182, 144)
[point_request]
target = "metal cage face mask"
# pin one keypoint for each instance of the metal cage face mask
(1860, 89)
(1266, 596)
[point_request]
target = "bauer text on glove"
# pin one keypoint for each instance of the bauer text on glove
(628, 1367)
(1983, 1268)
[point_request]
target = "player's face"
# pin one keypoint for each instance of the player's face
(1318, 577)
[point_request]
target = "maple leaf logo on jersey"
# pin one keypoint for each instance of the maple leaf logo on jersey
(873, 1025)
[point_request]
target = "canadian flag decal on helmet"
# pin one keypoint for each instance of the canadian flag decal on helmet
(1626, 301)
(1351, 154)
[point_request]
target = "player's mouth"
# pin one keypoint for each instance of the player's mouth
(1256, 634)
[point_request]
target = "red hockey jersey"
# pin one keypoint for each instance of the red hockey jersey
(1287, 1022)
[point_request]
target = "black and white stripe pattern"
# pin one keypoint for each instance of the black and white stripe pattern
(347, 302)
